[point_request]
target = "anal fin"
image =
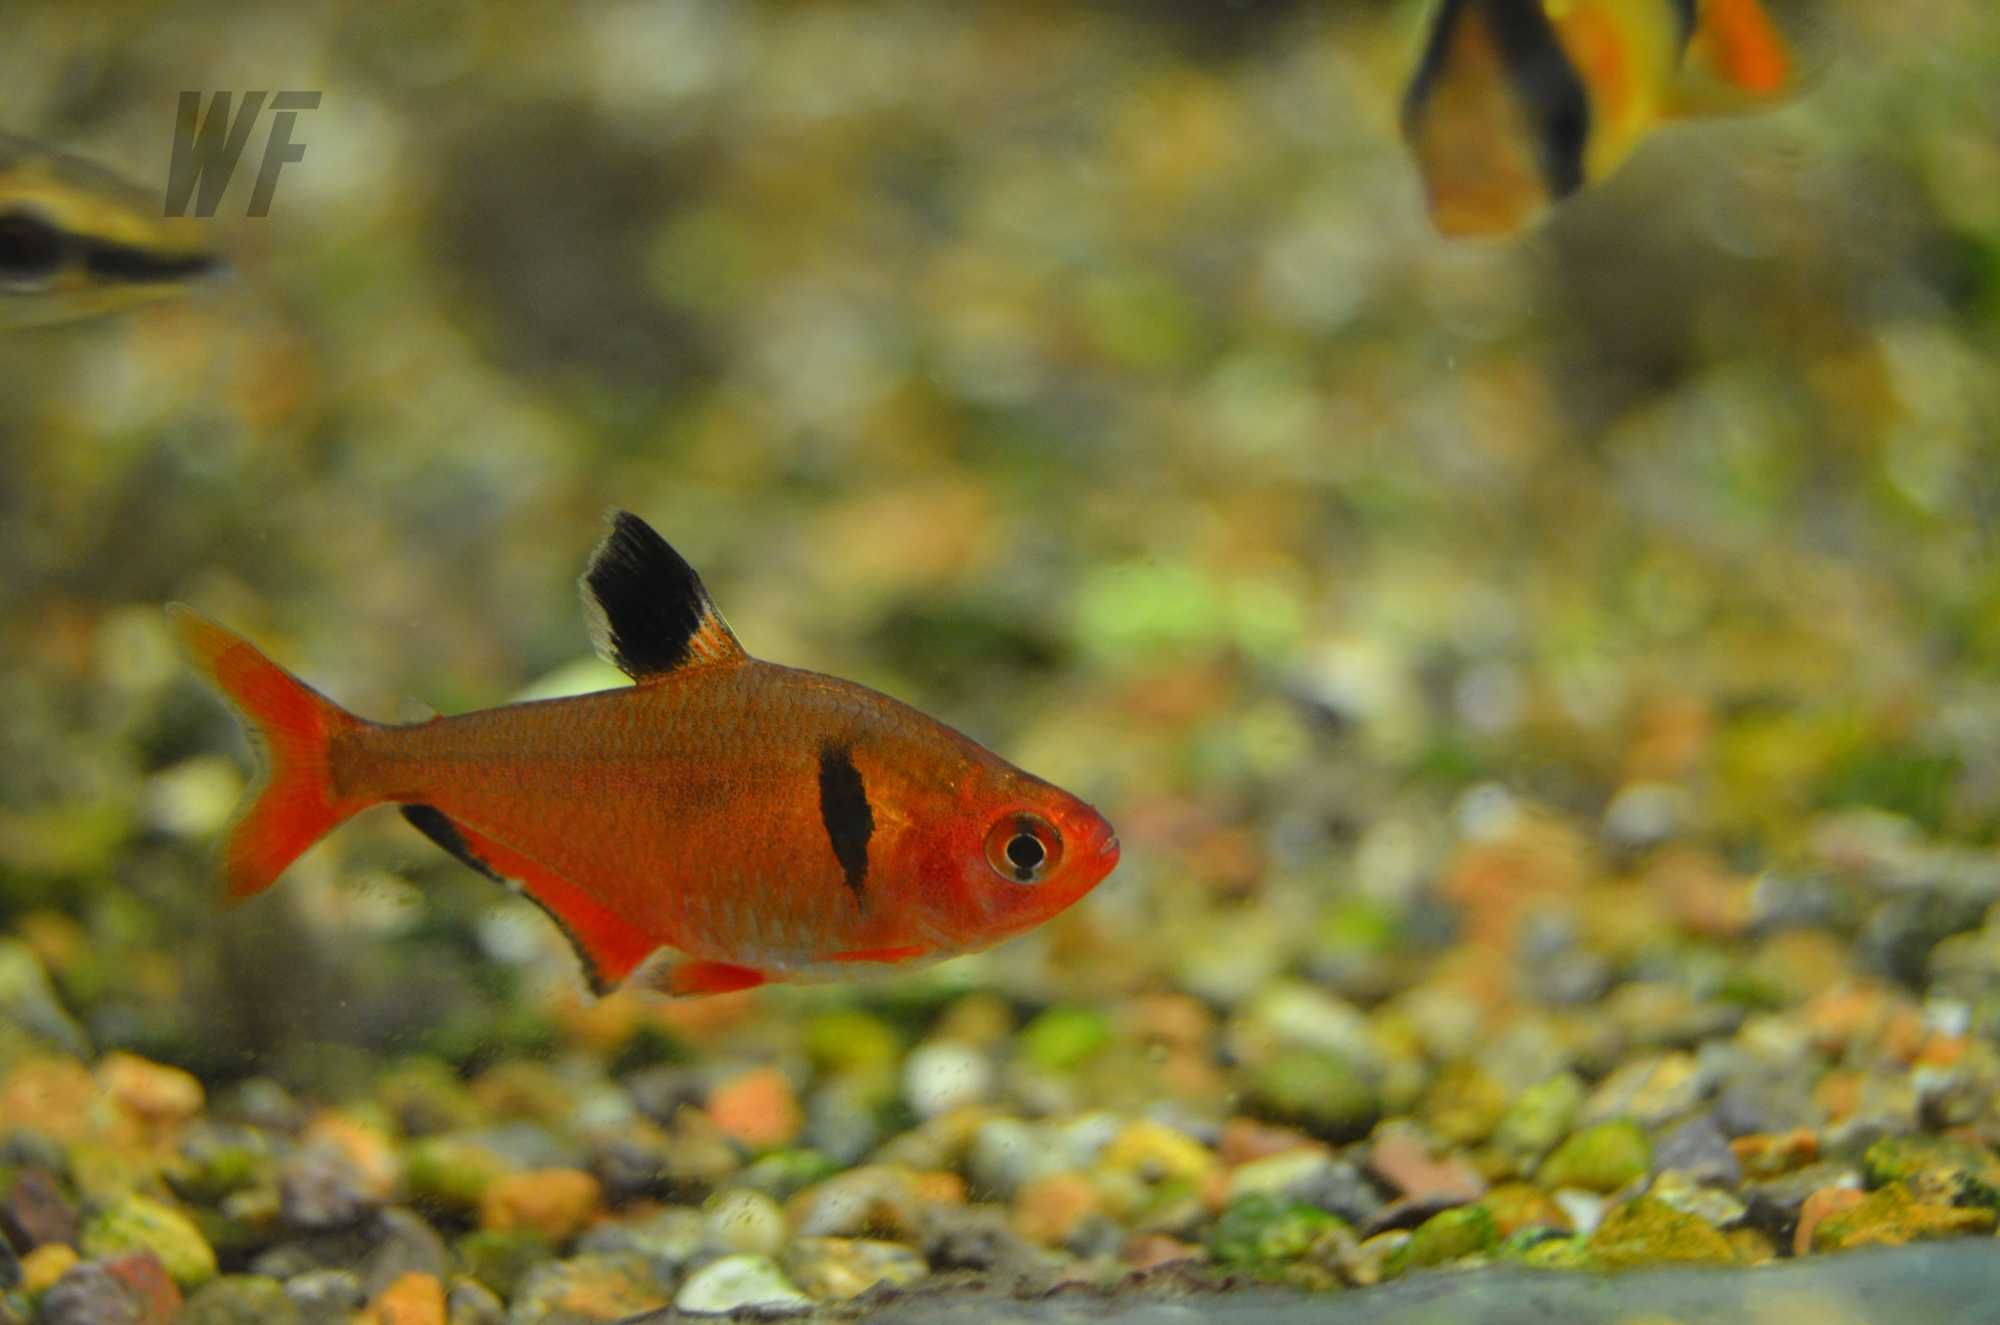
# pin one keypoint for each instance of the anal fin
(606, 945)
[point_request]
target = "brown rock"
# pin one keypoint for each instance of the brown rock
(141, 1272)
(1768, 1154)
(35, 1211)
(1400, 1159)
(1149, 1251)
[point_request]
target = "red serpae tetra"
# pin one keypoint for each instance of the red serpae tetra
(723, 823)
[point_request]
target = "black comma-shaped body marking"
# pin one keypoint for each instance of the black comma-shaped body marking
(843, 809)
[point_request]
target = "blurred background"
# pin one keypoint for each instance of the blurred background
(1479, 637)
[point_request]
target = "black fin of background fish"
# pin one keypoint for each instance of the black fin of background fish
(433, 823)
(649, 614)
(1684, 13)
(1550, 91)
(843, 809)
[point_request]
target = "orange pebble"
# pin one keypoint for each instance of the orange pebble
(1048, 1209)
(1822, 1203)
(414, 1299)
(757, 1108)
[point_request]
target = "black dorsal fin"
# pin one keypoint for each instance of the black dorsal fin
(649, 614)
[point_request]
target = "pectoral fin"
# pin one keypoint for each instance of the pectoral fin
(677, 975)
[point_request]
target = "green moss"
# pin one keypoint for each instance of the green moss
(450, 1173)
(1319, 1091)
(1651, 1232)
(1601, 1158)
(1892, 1216)
(1936, 1168)
(1262, 1232)
(500, 1260)
(851, 1041)
(1539, 1118)
(140, 1223)
(782, 1173)
(1448, 1236)
(241, 1299)
(1060, 1039)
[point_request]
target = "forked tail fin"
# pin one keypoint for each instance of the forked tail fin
(294, 802)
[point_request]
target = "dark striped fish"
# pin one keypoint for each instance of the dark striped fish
(77, 241)
(1517, 104)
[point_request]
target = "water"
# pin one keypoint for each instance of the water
(1543, 688)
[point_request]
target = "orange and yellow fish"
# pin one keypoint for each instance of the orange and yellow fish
(1517, 104)
(723, 823)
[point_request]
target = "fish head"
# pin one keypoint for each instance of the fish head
(1012, 852)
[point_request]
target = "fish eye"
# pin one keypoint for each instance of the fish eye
(1023, 848)
(31, 250)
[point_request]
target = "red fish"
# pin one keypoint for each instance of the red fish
(723, 823)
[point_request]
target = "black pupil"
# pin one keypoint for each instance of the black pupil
(28, 247)
(1025, 854)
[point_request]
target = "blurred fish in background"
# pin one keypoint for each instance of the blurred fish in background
(1517, 104)
(78, 241)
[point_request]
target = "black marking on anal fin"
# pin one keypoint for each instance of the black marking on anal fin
(1437, 46)
(1686, 17)
(843, 809)
(1550, 89)
(433, 823)
(649, 614)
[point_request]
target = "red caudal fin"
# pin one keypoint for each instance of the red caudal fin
(293, 804)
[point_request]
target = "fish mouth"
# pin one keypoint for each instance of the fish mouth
(1107, 851)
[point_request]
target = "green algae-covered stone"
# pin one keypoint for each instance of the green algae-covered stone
(1601, 1158)
(1060, 1039)
(1893, 1216)
(1545, 1249)
(1465, 1104)
(1319, 1091)
(140, 1223)
(849, 1041)
(1651, 1232)
(1445, 1237)
(501, 1259)
(784, 1173)
(1261, 1232)
(240, 1299)
(1538, 1119)
(1936, 1168)
(451, 1172)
